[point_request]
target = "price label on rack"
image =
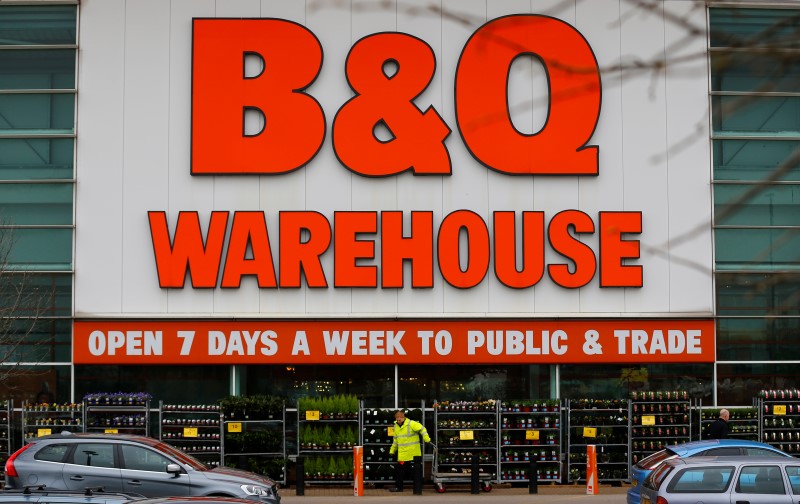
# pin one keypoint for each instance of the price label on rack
(532, 435)
(649, 420)
(190, 432)
(235, 427)
(111, 431)
(312, 415)
(779, 409)
(590, 432)
(43, 432)
(390, 431)
(466, 435)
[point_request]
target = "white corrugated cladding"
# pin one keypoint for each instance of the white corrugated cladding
(133, 155)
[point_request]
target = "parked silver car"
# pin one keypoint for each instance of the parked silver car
(723, 480)
(135, 464)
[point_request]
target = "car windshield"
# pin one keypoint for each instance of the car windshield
(656, 477)
(182, 456)
(655, 459)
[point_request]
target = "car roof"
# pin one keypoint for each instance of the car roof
(742, 459)
(190, 500)
(86, 495)
(83, 436)
(687, 449)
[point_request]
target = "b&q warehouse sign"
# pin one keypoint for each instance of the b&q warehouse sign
(294, 118)
(378, 132)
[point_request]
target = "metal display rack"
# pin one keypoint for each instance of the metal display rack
(117, 419)
(332, 456)
(605, 424)
(658, 419)
(377, 435)
(530, 430)
(464, 430)
(779, 420)
(45, 419)
(6, 410)
(259, 445)
(743, 422)
(193, 428)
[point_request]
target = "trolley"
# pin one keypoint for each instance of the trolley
(462, 478)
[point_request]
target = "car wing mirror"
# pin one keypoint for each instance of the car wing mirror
(173, 469)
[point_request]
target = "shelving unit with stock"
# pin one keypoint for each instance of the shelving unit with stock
(193, 428)
(530, 430)
(605, 424)
(117, 418)
(6, 410)
(464, 430)
(779, 419)
(326, 441)
(45, 419)
(257, 444)
(377, 436)
(658, 419)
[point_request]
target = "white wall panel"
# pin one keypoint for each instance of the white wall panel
(604, 192)
(369, 193)
(329, 186)
(415, 18)
(466, 188)
(515, 193)
(688, 143)
(134, 152)
(145, 152)
(552, 195)
(186, 193)
(99, 190)
(237, 192)
(282, 192)
(644, 141)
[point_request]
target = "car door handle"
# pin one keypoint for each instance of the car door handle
(76, 478)
(742, 502)
(134, 482)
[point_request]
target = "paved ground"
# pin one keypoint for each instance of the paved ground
(502, 494)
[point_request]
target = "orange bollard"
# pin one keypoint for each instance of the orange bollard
(358, 471)
(591, 470)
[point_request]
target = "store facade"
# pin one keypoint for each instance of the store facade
(251, 214)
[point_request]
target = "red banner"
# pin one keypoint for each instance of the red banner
(393, 342)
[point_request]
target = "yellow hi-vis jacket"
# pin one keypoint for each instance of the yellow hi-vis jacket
(406, 440)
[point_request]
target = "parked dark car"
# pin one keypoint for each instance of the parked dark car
(709, 447)
(41, 494)
(723, 480)
(124, 463)
(193, 500)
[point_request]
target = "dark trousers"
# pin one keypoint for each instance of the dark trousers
(401, 471)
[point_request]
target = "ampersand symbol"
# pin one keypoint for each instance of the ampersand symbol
(382, 100)
(590, 345)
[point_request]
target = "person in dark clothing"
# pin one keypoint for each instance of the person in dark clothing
(719, 427)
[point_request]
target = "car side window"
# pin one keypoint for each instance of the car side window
(713, 479)
(727, 451)
(794, 478)
(761, 452)
(52, 453)
(765, 480)
(94, 454)
(142, 459)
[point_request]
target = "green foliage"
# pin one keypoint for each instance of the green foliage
(254, 441)
(345, 404)
(336, 467)
(254, 407)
